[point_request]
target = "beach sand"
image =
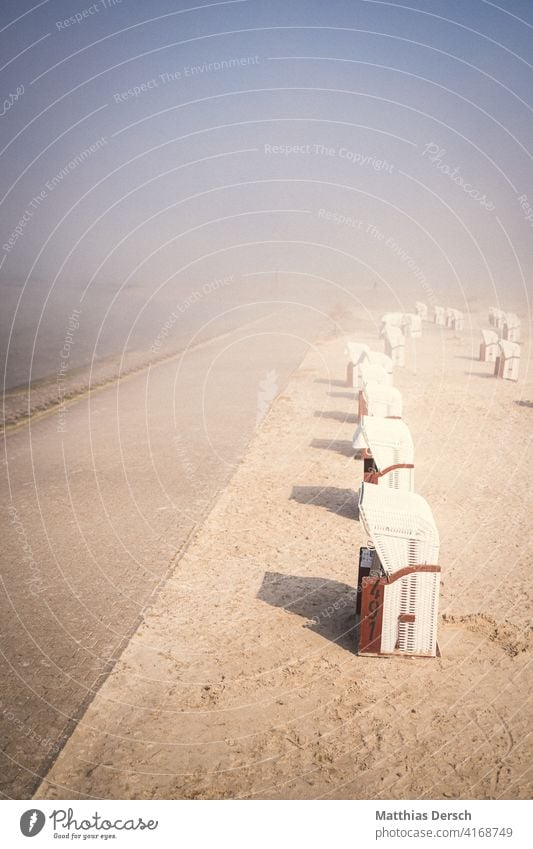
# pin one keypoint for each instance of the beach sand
(242, 680)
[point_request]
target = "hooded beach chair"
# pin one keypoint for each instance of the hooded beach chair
(390, 319)
(388, 452)
(377, 399)
(454, 319)
(373, 373)
(356, 352)
(508, 360)
(421, 310)
(394, 342)
(489, 348)
(458, 321)
(511, 327)
(399, 578)
(496, 318)
(412, 325)
(439, 316)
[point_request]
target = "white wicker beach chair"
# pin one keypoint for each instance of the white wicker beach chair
(390, 319)
(356, 352)
(399, 596)
(394, 342)
(379, 400)
(458, 322)
(373, 373)
(496, 318)
(389, 452)
(454, 319)
(421, 310)
(439, 316)
(511, 327)
(489, 348)
(412, 325)
(508, 361)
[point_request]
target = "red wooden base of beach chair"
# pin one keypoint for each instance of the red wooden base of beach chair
(371, 596)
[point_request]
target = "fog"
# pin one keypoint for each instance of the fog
(165, 166)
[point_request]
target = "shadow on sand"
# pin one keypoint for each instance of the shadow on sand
(328, 605)
(351, 395)
(331, 381)
(340, 446)
(342, 502)
(479, 374)
(524, 403)
(336, 415)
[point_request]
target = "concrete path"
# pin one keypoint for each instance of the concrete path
(100, 500)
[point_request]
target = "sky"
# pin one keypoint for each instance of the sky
(151, 150)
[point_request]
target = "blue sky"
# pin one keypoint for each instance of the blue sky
(351, 141)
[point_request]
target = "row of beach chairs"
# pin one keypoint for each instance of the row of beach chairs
(399, 575)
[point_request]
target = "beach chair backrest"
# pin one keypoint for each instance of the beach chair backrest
(373, 373)
(509, 350)
(383, 400)
(400, 525)
(388, 440)
(356, 351)
(439, 314)
(379, 359)
(490, 337)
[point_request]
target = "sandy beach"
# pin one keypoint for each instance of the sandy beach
(242, 680)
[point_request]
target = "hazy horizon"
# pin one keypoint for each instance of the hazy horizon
(149, 151)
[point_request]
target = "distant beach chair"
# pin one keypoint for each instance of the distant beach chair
(489, 348)
(412, 325)
(399, 578)
(458, 320)
(394, 342)
(390, 319)
(377, 399)
(421, 310)
(388, 452)
(356, 352)
(454, 319)
(496, 318)
(439, 316)
(507, 363)
(511, 327)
